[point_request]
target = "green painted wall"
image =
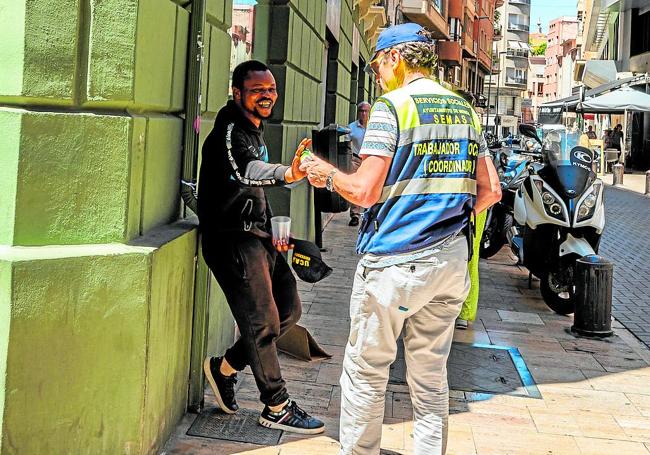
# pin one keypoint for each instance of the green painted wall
(96, 278)
(220, 326)
(99, 364)
(5, 305)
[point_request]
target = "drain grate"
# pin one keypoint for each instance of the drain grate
(239, 427)
(479, 368)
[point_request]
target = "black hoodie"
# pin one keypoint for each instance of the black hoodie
(234, 169)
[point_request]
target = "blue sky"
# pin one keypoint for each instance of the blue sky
(548, 10)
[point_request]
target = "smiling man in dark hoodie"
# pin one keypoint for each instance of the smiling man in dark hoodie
(235, 225)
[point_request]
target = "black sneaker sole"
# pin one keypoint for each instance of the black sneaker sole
(213, 386)
(278, 426)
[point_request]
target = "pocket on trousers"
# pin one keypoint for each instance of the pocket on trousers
(239, 261)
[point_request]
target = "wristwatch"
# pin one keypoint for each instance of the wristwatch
(329, 182)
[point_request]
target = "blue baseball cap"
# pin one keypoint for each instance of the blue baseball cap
(398, 34)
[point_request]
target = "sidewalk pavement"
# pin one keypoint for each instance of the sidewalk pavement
(631, 182)
(595, 394)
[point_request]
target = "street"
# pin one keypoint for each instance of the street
(626, 243)
(587, 396)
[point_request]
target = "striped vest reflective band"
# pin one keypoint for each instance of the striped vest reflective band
(430, 188)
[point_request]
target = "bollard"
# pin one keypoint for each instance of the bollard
(647, 183)
(593, 313)
(618, 169)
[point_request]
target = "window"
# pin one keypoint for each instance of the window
(615, 39)
(640, 31)
(455, 29)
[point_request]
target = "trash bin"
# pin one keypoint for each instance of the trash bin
(331, 144)
(593, 312)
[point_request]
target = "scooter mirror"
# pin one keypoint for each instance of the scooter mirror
(529, 131)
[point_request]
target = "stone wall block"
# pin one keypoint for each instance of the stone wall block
(84, 316)
(39, 51)
(162, 166)
(281, 19)
(214, 11)
(180, 60)
(131, 54)
(11, 126)
(75, 177)
(216, 69)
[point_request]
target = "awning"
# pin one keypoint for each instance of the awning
(598, 72)
(621, 100)
(570, 102)
(514, 44)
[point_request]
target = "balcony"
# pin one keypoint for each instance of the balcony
(468, 44)
(518, 27)
(450, 53)
(427, 13)
(514, 80)
(517, 53)
(498, 33)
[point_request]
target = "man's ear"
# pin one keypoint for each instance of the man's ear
(395, 58)
(236, 94)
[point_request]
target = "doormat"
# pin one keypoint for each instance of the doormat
(239, 427)
(479, 368)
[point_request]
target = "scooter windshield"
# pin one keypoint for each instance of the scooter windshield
(569, 168)
(557, 145)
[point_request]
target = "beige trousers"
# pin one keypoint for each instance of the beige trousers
(422, 298)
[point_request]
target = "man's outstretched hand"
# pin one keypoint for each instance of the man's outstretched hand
(294, 173)
(317, 171)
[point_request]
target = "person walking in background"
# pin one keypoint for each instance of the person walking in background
(470, 305)
(357, 131)
(234, 220)
(591, 134)
(424, 170)
(607, 138)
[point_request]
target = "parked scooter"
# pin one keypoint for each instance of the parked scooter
(559, 216)
(512, 168)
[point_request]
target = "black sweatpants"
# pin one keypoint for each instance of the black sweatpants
(262, 295)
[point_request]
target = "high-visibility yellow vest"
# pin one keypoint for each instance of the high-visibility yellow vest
(430, 188)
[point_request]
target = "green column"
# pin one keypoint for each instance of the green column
(96, 271)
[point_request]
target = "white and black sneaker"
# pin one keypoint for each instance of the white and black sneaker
(291, 418)
(223, 386)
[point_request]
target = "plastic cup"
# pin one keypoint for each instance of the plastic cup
(280, 228)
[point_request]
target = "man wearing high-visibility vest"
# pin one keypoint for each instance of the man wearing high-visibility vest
(425, 171)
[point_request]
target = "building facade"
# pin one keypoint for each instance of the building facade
(536, 79)
(560, 58)
(464, 29)
(510, 63)
(100, 280)
(615, 39)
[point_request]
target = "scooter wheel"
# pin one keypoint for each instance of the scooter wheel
(562, 302)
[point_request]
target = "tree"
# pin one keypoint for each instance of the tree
(540, 49)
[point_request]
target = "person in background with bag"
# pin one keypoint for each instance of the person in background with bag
(234, 218)
(357, 131)
(425, 169)
(470, 305)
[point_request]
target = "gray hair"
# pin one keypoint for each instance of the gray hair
(419, 55)
(361, 104)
